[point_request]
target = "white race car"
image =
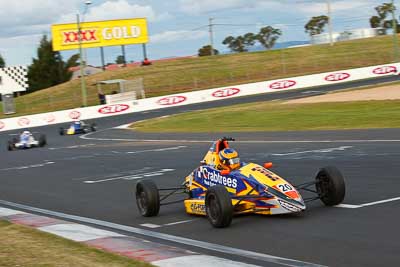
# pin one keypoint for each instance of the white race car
(26, 140)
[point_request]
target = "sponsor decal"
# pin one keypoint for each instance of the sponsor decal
(266, 172)
(200, 208)
(24, 122)
(87, 36)
(49, 118)
(214, 177)
(171, 100)
(283, 84)
(288, 206)
(226, 92)
(113, 109)
(123, 32)
(99, 34)
(74, 114)
(2, 125)
(385, 70)
(335, 77)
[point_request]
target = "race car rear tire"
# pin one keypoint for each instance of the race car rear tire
(10, 146)
(42, 140)
(61, 131)
(330, 186)
(147, 198)
(219, 210)
(93, 127)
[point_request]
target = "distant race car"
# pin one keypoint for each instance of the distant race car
(78, 127)
(246, 188)
(26, 140)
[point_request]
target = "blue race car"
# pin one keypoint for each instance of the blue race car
(78, 127)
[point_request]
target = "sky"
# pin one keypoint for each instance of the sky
(176, 27)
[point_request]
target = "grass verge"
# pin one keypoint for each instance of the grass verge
(23, 246)
(190, 74)
(273, 116)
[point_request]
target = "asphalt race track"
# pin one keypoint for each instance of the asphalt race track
(95, 178)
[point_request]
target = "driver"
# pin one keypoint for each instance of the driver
(78, 124)
(26, 137)
(229, 159)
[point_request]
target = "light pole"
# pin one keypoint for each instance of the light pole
(395, 41)
(210, 31)
(82, 62)
(328, 3)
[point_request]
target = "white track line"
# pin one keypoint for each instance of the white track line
(380, 202)
(29, 166)
(85, 136)
(151, 225)
(71, 147)
(325, 150)
(171, 238)
(131, 177)
(349, 206)
(180, 222)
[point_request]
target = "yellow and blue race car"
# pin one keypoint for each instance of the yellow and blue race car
(223, 186)
(77, 127)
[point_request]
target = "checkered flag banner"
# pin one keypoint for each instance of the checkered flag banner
(13, 79)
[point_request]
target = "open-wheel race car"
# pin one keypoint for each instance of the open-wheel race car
(26, 140)
(77, 127)
(223, 186)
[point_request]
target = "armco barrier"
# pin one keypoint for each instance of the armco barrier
(198, 97)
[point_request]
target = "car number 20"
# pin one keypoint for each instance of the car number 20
(285, 187)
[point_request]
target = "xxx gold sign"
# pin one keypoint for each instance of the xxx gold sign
(99, 33)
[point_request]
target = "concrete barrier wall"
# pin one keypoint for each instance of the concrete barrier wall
(214, 94)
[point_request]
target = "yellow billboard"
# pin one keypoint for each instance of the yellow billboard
(100, 33)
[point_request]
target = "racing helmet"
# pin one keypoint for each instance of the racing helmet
(229, 159)
(26, 132)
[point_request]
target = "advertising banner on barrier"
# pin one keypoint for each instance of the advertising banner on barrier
(198, 97)
(100, 33)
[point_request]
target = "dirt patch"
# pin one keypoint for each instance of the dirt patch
(389, 92)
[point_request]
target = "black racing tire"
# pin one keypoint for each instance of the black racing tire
(10, 146)
(330, 186)
(93, 127)
(147, 198)
(219, 210)
(42, 140)
(61, 131)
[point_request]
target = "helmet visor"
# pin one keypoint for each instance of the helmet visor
(234, 161)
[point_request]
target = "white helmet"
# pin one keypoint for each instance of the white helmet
(26, 132)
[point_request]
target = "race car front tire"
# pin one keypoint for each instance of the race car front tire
(330, 186)
(42, 140)
(219, 210)
(147, 198)
(61, 131)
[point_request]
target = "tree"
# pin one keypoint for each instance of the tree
(249, 39)
(236, 44)
(48, 69)
(120, 60)
(2, 62)
(206, 51)
(268, 36)
(380, 20)
(73, 61)
(316, 25)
